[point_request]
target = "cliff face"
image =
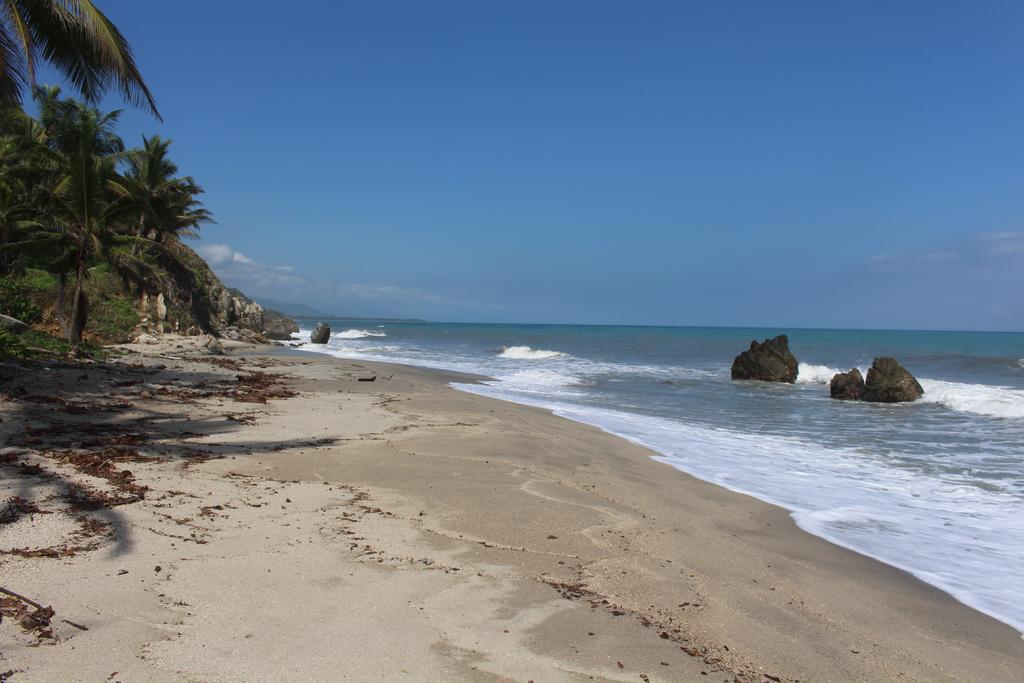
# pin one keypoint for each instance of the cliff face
(193, 300)
(186, 298)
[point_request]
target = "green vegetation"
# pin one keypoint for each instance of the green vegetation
(16, 301)
(90, 231)
(77, 39)
(38, 344)
(113, 316)
(86, 226)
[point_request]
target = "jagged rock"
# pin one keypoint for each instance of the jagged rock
(242, 334)
(210, 344)
(9, 324)
(321, 333)
(848, 386)
(235, 311)
(769, 361)
(196, 299)
(890, 382)
(278, 327)
(161, 307)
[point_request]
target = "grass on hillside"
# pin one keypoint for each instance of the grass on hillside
(31, 297)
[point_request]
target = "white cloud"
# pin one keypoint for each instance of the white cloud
(280, 281)
(216, 254)
(241, 271)
(1004, 243)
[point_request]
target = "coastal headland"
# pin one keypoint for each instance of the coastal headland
(266, 515)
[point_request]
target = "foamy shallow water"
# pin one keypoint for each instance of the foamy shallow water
(935, 488)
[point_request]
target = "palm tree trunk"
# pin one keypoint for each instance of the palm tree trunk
(143, 294)
(3, 252)
(62, 284)
(79, 306)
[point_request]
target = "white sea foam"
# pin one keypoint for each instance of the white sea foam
(815, 374)
(542, 383)
(851, 497)
(359, 334)
(526, 353)
(980, 399)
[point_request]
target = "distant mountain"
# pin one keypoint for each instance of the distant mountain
(303, 311)
(292, 309)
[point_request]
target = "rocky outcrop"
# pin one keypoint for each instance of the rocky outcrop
(210, 344)
(195, 301)
(321, 333)
(277, 326)
(13, 325)
(847, 386)
(890, 382)
(242, 334)
(233, 309)
(768, 361)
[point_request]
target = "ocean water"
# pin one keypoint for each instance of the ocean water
(935, 487)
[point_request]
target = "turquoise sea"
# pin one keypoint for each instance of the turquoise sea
(935, 487)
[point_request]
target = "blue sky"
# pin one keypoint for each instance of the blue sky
(853, 164)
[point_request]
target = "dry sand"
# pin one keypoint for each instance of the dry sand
(402, 530)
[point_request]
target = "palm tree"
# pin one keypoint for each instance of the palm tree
(65, 207)
(76, 38)
(166, 203)
(166, 209)
(24, 162)
(15, 225)
(85, 211)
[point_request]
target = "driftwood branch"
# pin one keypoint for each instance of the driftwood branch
(78, 626)
(21, 597)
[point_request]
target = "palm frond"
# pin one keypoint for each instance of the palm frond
(86, 47)
(12, 68)
(114, 53)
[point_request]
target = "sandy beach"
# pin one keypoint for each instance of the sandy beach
(269, 515)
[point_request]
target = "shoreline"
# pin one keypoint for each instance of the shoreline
(514, 533)
(568, 413)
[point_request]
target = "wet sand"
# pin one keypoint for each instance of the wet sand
(402, 530)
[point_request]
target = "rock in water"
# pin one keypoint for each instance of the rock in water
(12, 324)
(321, 333)
(279, 328)
(848, 386)
(889, 382)
(769, 361)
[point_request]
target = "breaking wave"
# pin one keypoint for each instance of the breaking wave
(980, 399)
(815, 374)
(844, 495)
(526, 353)
(359, 334)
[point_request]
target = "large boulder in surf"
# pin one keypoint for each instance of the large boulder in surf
(768, 361)
(279, 327)
(847, 386)
(321, 333)
(889, 382)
